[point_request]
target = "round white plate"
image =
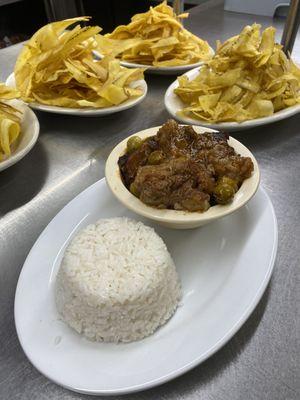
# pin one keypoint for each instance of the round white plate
(174, 104)
(176, 70)
(30, 128)
(87, 112)
(224, 269)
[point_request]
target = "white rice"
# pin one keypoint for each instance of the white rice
(117, 281)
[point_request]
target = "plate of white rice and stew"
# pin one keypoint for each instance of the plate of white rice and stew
(109, 302)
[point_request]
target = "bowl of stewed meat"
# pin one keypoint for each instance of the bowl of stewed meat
(182, 176)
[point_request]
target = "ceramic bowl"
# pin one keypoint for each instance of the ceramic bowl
(174, 218)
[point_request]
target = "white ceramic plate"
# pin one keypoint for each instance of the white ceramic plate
(174, 104)
(224, 269)
(87, 112)
(29, 134)
(176, 70)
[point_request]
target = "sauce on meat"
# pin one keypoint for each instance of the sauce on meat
(182, 170)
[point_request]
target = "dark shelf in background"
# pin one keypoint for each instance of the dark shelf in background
(20, 19)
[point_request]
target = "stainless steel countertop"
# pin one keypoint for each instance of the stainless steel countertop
(261, 362)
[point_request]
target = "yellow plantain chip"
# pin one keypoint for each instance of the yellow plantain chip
(157, 38)
(56, 67)
(10, 117)
(249, 77)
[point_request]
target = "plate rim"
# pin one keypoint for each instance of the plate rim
(88, 111)
(187, 367)
(228, 126)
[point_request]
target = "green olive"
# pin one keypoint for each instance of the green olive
(133, 189)
(134, 143)
(228, 181)
(223, 193)
(156, 157)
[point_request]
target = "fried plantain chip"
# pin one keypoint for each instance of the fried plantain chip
(9, 120)
(56, 67)
(156, 38)
(250, 76)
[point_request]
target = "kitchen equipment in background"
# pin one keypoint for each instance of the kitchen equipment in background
(258, 7)
(291, 26)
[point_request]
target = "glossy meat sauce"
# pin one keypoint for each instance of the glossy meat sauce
(182, 170)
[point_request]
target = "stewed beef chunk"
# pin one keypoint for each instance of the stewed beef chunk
(179, 183)
(182, 170)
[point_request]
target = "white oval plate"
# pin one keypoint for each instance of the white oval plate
(176, 70)
(30, 129)
(87, 112)
(224, 269)
(174, 104)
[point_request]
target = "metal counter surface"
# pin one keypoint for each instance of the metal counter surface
(261, 362)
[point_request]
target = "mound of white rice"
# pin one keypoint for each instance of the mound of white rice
(117, 281)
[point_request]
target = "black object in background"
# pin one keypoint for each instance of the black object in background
(18, 21)
(110, 13)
